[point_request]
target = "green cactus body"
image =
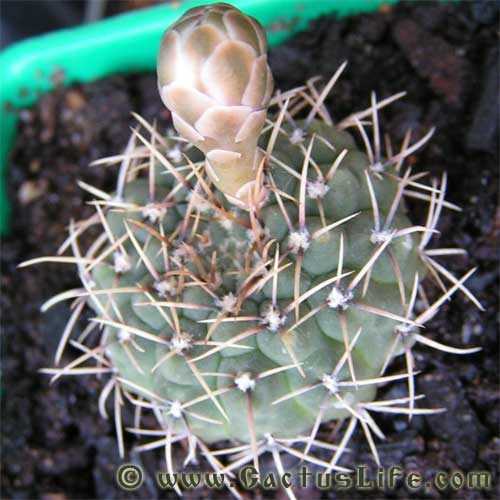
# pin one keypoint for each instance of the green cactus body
(210, 267)
(251, 293)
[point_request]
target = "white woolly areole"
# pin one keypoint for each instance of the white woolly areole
(122, 262)
(175, 409)
(244, 382)
(273, 319)
(379, 237)
(200, 203)
(331, 383)
(270, 441)
(181, 342)
(297, 136)
(377, 167)
(227, 303)
(180, 253)
(153, 212)
(226, 223)
(403, 329)
(164, 287)
(175, 154)
(123, 335)
(317, 189)
(339, 299)
(299, 240)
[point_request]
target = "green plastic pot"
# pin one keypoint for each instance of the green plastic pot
(124, 44)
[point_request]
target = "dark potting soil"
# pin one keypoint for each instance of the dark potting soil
(54, 443)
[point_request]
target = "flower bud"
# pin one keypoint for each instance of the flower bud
(214, 78)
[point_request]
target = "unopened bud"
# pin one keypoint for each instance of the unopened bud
(214, 78)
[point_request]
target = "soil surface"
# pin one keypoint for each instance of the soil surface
(54, 443)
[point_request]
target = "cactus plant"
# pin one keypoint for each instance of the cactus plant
(256, 274)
